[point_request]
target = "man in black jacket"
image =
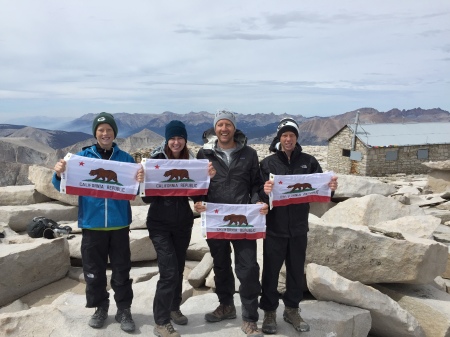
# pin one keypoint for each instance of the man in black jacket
(286, 232)
(236, 181)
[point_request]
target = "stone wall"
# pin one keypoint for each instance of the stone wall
(374, 161)
(340, 164)
(407, 161)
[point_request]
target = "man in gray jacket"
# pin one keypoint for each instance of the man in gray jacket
(236, 182)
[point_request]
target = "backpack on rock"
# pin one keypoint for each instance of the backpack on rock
(41, 226)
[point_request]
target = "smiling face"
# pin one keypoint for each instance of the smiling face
(288, 141)
(105, 136)
(225, 133)
(176, 145)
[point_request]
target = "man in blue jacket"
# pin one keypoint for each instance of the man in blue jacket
(105, 233)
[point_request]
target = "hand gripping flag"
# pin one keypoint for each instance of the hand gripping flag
(99, 178)
(175, 177)
(229, 221)
(300, 188)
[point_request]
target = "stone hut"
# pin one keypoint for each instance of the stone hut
(387, 148)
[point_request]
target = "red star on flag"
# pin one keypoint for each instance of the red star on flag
(280, 182)
(81, 163)
(216, 211)
(157, 167)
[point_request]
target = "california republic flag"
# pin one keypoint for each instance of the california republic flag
(229, 221)
(99, 178)
(300, 188)
(175, 177)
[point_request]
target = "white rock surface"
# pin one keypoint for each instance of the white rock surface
(369, 210)
(41, 177)
(421, 226)
(69, 318)
(198, 246)
(17, 217)
(388, 318)
(350, 186)
(198, 275)
(20, 195)
(359, 255)
(141, 246)
(30, 266)
(139, 217)
(430, 306)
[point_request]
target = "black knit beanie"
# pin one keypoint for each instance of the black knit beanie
(104, 117)
(175, 129)
(287, 124)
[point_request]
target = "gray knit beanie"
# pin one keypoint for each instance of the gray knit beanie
(225, 114)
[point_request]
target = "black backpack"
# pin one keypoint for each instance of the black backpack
(41, 226)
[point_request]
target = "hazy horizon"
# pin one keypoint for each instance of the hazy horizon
(304, 58)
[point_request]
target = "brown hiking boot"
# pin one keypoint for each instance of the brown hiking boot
(178, 318)
(269, 325)
(222, 312)
(165, 330)
(292, 315)
(251, 329)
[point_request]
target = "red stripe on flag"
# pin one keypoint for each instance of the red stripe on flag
(235, 236)
(301, 200)
(175, 192)
(98, 193)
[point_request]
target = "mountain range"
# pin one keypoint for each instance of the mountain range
(259, 128)
(24, 145)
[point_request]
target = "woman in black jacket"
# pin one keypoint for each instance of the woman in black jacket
(169, 223)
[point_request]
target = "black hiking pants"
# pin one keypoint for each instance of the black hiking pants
(247, 271)
(171, 247)
(277, 250)
(96, 247)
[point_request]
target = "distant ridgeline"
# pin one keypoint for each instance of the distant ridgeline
(259, 128)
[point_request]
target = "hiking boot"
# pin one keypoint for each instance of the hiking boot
(123, 316)
(165, 330)
(269, 325)
(251, 329)
(222, 312)
(292, 315)
(98, 318)
(178, 318)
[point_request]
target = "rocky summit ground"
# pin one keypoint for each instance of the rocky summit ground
(377, 264)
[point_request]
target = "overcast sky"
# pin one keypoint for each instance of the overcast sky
(72, 57)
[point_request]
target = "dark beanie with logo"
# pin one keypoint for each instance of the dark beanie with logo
(175, 129)
(104, 117)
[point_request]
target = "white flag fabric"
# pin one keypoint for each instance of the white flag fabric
(232, 222)
(300, 188)
(99, 178)
(175, 177)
